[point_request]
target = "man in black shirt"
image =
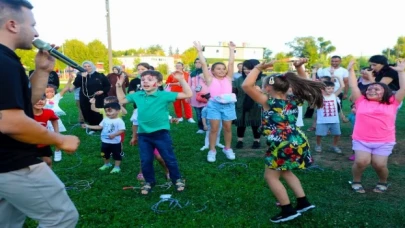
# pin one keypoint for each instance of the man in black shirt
(28, 187)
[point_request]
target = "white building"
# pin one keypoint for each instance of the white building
(129, 61)
(242, 53)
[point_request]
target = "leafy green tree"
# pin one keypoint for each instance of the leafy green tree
(98, 52)
(27, 58)
(155, 50)
(76, 50)
(188, 57)
(137, 60)
(163, 69)
(170, 51)
(267, 54)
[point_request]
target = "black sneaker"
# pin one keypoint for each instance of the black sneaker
(239, 145)
(284, 217)
(256, 145)
(302, 209)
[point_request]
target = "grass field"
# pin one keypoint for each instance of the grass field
(225, 196)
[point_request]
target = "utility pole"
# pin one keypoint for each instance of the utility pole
(110, 58)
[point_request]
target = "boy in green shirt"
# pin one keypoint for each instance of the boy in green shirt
(154, 126)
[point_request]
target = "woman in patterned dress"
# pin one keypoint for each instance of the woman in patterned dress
(288, 147)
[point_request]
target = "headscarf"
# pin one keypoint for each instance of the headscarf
(93, 67)
(196, 71)
(119, 69)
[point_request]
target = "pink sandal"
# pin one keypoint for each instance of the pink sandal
(140, 177)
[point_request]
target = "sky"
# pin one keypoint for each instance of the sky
(357, 27)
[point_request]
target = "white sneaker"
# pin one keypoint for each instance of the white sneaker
(180, 119)
(220, 145)
(57, 156)
(191, 120)
(211, 157)
(200, 131)
(204, 148)
(229, 153)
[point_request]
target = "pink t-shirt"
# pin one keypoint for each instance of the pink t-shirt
(194, 82)
(375, 122)
(220, 86)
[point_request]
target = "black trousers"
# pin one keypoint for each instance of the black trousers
(91, 117)
(240, 131)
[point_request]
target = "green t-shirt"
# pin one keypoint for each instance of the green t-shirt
(153, 110)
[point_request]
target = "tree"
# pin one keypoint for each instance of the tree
(76, 50)
(163, 69)
(267, 54)
(137, 60)
(282, 64)
(317, 50)
(363, 62)
(398, 51)
(27, 58)
(188, 56)
(98, 52)
(155, 50)
(177, 51)
(170, 51)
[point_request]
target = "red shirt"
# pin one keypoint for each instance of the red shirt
(44, 117)
(171, 79)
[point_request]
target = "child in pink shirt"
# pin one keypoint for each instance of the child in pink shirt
(374, 129)
(221, 105)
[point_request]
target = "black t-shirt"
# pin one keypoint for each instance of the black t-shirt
(389, 73)
(15, 93)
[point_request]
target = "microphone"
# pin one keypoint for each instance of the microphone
(41, 45)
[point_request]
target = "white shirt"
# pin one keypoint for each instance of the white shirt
(329, 112)
(111, 126)
(339, 72)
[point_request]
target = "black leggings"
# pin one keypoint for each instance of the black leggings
(241, 132)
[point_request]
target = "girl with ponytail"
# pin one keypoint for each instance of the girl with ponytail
(288, 147)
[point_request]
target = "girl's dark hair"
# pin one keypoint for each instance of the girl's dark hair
(146, 65)
(387, 92)
(53, 87)
(216, 64)
(304, 89)
(250, 64)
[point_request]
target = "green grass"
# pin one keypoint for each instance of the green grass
(234, 196)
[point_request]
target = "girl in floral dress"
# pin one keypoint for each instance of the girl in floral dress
(288, 147)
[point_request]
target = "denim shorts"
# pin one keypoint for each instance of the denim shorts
(218, 111)
(322, 129)
(375, 148)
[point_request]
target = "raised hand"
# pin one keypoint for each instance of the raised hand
(300, 62)
(262, 66)
(178, 75)
(232, 45)
(351, 65)
(400, 67)
(198, 46)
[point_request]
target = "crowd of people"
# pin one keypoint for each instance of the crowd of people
(271, 105)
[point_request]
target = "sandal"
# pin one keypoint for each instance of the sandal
(180, 185)
(381, 187)
(140, 177)
(311, 129)
(146, 188)
(357, 187)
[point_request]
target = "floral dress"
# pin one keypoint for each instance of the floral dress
(288, 146)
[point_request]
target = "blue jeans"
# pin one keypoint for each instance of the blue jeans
(199, 117)
(162, 141)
